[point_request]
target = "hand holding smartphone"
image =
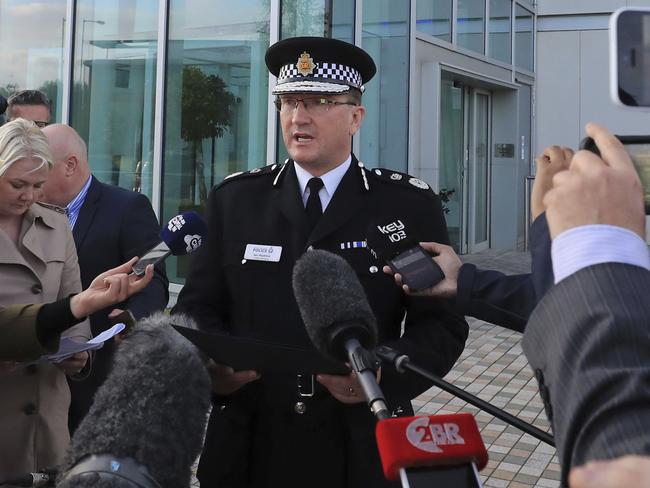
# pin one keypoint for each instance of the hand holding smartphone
(638, 147)
(152, 256)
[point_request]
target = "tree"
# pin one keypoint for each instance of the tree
(8, 90)
(206, 112)
(51, 89)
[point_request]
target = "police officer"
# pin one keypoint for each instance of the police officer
(281, 429)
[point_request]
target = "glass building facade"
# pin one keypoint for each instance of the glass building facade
(173, 95)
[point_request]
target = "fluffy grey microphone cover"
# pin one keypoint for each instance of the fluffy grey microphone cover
(328, 293)
(152, 407)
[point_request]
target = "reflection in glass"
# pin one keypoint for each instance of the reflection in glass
(471, 25)
(31, 36)
(114, 89)
(524, 160)
(384, 132)
(523, 38)
(434, 18)
(216, 101)
(499, 30)
(328, 18)
(481, 169)
(451, 158)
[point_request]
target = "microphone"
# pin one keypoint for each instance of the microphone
(145, 427)
(392, 241)
(402, 364)
(42, 478)
(439, 450)
(182, 235)
(338, 318)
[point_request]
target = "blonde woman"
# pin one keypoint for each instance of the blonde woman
(38, 264)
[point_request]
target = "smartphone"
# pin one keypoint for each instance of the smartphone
(152, 256)
(125, 317)
(417, 268)
(629, 55)
(638, 147)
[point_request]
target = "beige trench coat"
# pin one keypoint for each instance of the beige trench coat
(35, 398)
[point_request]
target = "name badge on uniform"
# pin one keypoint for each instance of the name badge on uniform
(263, 252)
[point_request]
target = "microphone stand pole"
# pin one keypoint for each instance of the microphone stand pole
(364, 367)
(402, 363)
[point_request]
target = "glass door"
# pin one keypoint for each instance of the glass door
(479, 172)
(452, 159)
(465, 164)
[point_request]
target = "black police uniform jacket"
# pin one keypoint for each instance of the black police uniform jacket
(255, 436)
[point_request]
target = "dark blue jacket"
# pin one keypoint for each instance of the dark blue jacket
(508, 300)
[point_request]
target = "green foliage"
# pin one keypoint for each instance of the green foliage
(7, 90)
(445, 196)
(51, 89)
(207, 105)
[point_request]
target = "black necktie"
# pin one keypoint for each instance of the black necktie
(314, 208)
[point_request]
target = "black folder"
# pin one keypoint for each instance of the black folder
(242, 353)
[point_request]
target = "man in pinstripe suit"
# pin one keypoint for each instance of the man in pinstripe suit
(588, 341)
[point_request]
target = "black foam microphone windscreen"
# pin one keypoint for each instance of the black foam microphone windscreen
(152, 409)
(330, 298)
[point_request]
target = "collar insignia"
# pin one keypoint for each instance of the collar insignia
(418, 183)
(305, 64)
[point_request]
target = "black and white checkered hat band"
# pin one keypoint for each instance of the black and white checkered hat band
(327, 76)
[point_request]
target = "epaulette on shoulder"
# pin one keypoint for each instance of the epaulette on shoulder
(402, 179)
(50, 206)
(239, 175)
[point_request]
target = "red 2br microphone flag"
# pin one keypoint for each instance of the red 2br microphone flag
(439, 450)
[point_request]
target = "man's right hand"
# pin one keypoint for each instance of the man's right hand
(226, 380)
(449, 263)
(597, 191)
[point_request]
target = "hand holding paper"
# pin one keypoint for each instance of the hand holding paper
(68, 347)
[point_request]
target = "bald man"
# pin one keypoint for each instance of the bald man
(110, 225)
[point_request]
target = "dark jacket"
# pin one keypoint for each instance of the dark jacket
(508, 300)
(113, 226)
(589, 346)
(255, 437)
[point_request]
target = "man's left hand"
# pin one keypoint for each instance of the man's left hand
(346, 389)
(553, 160)
(74, 364)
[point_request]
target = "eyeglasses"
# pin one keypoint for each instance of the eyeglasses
(314, 106)
(41, 123)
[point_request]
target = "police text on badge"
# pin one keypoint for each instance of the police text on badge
(263, 252)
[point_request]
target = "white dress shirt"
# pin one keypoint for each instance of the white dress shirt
(331, 181)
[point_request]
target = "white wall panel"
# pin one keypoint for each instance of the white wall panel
(558, 86)
(560, 7)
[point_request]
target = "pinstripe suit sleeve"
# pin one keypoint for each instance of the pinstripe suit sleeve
(589, 344)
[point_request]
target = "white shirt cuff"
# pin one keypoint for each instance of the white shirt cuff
(588, 245)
